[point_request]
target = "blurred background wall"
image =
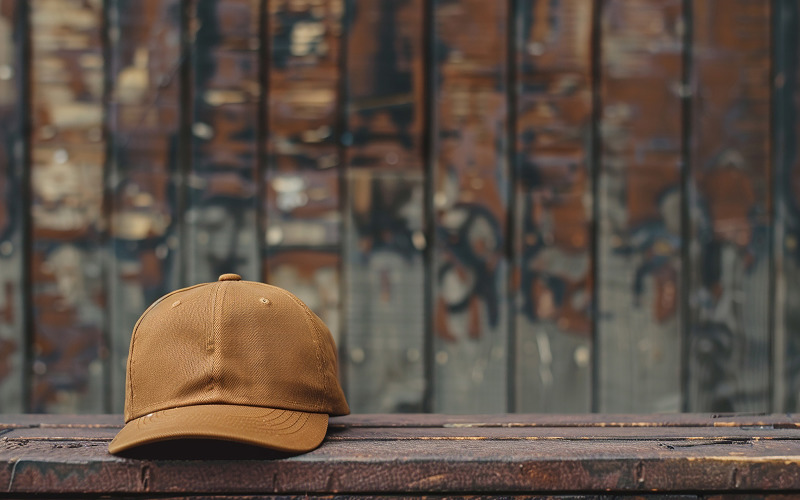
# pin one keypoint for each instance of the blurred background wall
(496, 205)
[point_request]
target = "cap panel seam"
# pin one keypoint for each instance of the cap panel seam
(323, 363)
(315, 339)
(131, 357)
(217, 332)
(319, 359)
(212, 330)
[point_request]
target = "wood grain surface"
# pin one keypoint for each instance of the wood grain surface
(730, 208)
(385, 219)
(552, 238)
(511, 205)
(470, 198)
(301, 201)
(68, 220)
(786, 225)
(640, 196)
(144, 122)
(222, 186)
(13, 230)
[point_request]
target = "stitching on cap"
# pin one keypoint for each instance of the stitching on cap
(210, 340)
(216, 329)
(131, 357)
(323, 363)
(166, 405)
(299, 424)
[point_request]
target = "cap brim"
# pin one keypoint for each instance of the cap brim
(280, 430)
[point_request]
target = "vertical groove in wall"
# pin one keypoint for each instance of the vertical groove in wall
(262, 135)
(512, 47)
(428, 152)
(778, 164)
(24, 47)
(596, 156)
(343, 141)
(108, 171)
(184, 166)
(685, 274)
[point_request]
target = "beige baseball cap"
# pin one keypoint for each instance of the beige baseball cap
(232, 360)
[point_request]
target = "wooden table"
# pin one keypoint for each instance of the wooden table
(366, 455)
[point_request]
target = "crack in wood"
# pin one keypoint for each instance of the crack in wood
(710, 442)
(735, 478)
(640, 473)
(16, 462)
(145, 477)
(332, 483)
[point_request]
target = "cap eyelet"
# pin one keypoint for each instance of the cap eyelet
(176, 304)
(264, 300)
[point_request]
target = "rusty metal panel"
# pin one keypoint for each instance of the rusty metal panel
(471, 203)
(68, 218)
(640, 230)
(12, 209)
(338, 87)
(302, 203)
(384, 268)
(144, 60)
(222, 178)
(730, 204)
(553, 240)
(786, 189)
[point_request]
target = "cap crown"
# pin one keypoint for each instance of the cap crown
(232, 342)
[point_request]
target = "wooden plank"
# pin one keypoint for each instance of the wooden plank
(662, 434)
(143, 126)
(405, 497)
(12, 218)
(385, 238)
(756, 496)
(71, 433)
(786, 350)
(10, 420)
(422, 420)
(633, 421)
(221, 219)
(68, 221)
(465, 497)
(682, 435)
(729, 289)
(470, 199)
(553, 242)
(92, 476)
(302, 176)
(752, 496)
(639, 235)
(487, 461)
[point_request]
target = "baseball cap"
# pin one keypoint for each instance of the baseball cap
(231, 360)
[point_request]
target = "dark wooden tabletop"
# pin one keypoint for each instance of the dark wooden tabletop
(422, 454)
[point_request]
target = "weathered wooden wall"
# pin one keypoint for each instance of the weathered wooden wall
(505, 205)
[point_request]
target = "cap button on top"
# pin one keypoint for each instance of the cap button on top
(230, 277)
